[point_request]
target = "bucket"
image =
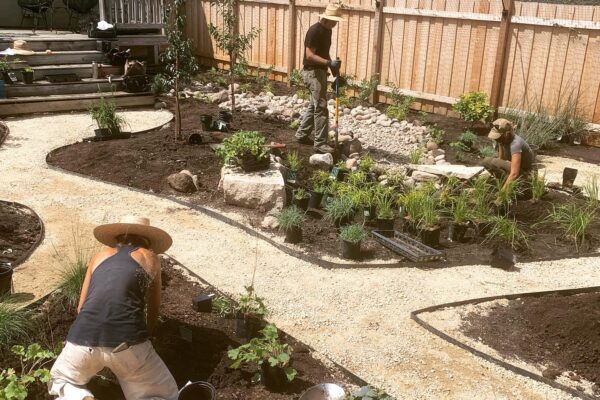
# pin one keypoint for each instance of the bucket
(198, 391)
(6, 273)
(315, 200)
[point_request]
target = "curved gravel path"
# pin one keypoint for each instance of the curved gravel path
(359, 318)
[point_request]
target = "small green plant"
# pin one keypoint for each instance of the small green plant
(461, 211)
(299, 194)
(480, 196)
(538, 187)
(289, 218)
(245, 87)
(508, 231)
(240, 69)
(296, 78)
(385, 205)
(592, 191)
(437, 134)
(366, 88)
(33, 359)
(262, 79)
(368, 393)
(241, 146)
(294, 124)
(16, 324)
(302, 94)
(467, 138)
(395, 180)
(27, 69)
(159, 85)
(320, 181)
(507, 193)
(251, 304)
(222, 306)
(105, 115)
(574, 220)
(473, 107)
(4, 64)
(400, 103)
(339, 208)
(357, 179)
(264, 349)
(415, 156)
(293, 161)
(366, 163)
(430, 214)
(411, 203)
(354, 233)
(487, 151)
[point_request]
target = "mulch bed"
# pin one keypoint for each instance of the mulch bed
(193, 345)
(146, 161)
(20, 231)
(560, 333)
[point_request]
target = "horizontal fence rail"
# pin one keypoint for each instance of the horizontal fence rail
(528, 55)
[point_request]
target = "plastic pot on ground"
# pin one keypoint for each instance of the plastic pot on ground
(293, 235)
(206, 122)
(350, 250)
(301, 203)
(370, 212)
(247, 326)
(457, 231)
(430, 236)
(315, 199)
(274, 378)
(27, 77)
(6, 273)
(198, 391)
(386, 225)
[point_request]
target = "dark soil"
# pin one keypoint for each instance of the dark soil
(20, 231)
(193, 345)
(559, 333)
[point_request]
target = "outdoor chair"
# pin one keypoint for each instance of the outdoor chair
(36, 9)
(79, 8)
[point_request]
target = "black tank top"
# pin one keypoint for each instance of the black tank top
(113, 311)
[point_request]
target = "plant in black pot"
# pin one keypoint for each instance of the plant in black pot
(249, 313)
(480, 201)
(461, 215)
(27, 74)
(293, 166)
(340, 210)
(410, 208)
(301, 198)
(269, 354)
(429, 223)
(339, 171)
(5, 70)
(368, 201)
(385, 214)
(290, 221)
(105, 116)
(319, 182)
(245, 149)
(351, 237)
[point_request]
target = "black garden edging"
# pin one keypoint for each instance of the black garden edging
(39, 239)
(414, 315)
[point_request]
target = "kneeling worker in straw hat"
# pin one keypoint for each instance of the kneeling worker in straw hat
(316, 61)
(112, 330)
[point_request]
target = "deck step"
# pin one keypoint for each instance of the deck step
(57, 103)
(45, 88)
(58, 44)
(62, 57)
(81, 70)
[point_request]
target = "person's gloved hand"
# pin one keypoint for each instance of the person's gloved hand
(339, 80)
(335, 65)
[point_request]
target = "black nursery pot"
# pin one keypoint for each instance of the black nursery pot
(206, 122)
(247, 326)
(198, 391)
(457, 232)
(293, 235)
(385, 224)
(430, 237)
(103, 132)
(6, 273)
(409, 226)
(370, 212)
(301, 203)
(350, 251)
(273, 377)
(315, 200)
(27, 77)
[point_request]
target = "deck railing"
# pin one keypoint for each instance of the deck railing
(134, 13)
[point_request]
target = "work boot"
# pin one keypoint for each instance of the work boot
(305, 140)
(324, 148)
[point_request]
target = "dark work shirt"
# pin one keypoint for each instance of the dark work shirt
(518, 145)
(319, 38)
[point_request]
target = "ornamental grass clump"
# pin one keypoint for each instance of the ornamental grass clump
(339, 210)
(415, 156)
(385, 204)
(507, 193)
(538, 187)
(592, 191)
(290, 218)
(367, 163)
(243, 146)
(573, 220)
(16, 324)
(461, 210)
(508, 231)
(294, 161)
(105, 116)
(430, 214)
(487, 152)
(354, 233)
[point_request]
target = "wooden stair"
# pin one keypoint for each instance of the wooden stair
(73, 55)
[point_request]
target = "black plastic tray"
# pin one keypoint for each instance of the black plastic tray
(407, 247)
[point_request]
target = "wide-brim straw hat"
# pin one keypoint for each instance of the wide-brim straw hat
(107, 234)
(333, 12)
(20, 47)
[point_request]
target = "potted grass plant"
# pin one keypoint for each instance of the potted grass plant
(340, 211)
(249, 312)
(105, 116)
(429, 223)
(269, 354)
(461, 215)
(507, 195)
(385, 213)
(351, 237)
(290, 222)
(480, 201)
(245, 149)
(300, 199)
(339, 171)
(27, 74)
(293, 167)
(410, 208)
(319, 182)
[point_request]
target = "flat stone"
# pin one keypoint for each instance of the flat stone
(440, 157)
(265, 189)
(460, 171)
(424, 176)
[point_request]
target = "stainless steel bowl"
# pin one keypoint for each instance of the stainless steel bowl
(324, 391)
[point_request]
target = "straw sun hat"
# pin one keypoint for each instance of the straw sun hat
(107, 234)
(333, 12)
(20, 47)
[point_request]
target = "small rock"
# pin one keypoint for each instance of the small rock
(181, 182)
(344, 138)
(351, 163)
(159, 105)
(236, 88)
(432, 145)
(270, 222)
(551, 373)
(421, 176)
(351, 147)
(219, 97)
(324, 161)
(354, 155)
(384, 122)
(440, 157)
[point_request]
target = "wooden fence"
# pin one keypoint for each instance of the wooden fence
(518, 53)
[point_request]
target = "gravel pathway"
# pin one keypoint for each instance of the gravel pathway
(357, 317)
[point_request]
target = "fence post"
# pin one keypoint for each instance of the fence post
(377, 45)
(500, 67)
(291, 61)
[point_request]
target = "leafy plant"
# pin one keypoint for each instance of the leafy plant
(508, 231)
(507, 193)
(467, 138)
(592, 191)
(290, 217)
(222, 306)
(415, 156)
(339, 208)
(487, 151)
(33, 359)
(159, 85)
(473, 107)
(105, 115)
(243, 145)
(437, 134)
(320, 181)
(395, 180)
(296, 78)
(294, 124)
(430, 214)
(15, 324)
(353, 233)
(4, 64)
(574, 221)
(293, 161)
(300, 194)
(245, 88)
(461, 211)
(230, 40)
(400, 103)
(262, 79)
(368, 393)
(251, 304)
(385, 205)
(178, 59)
(366, 163)
(264, 349)
(366, 88)
(357, 179)
(538, 187)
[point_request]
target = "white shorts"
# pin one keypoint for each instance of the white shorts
(141, 372)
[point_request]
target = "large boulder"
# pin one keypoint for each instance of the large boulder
(182, 182)
(324, 161)
(264, 189)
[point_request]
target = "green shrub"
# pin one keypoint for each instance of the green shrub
(16, 324)
(487, 151)
(473, 107)
(159, 85)
(245, 87)
(296, 78)
(354, 233)
(366, 163)
(467, 138)
(251, 304)
(437, 134)
(299, 194)
(339, 208)
(33, 359)
(320, 181)
(243, 145)
(400, 104)
(357, 179)
(294, 124)
(290, 217)
(366, 89)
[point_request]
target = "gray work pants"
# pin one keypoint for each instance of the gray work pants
(316, 115)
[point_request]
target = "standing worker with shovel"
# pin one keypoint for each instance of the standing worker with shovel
(316, 61)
